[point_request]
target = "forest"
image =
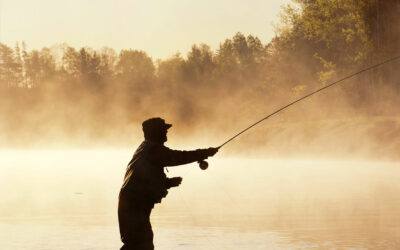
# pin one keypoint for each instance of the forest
(85, 96)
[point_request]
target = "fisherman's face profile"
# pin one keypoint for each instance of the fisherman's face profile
(164, 137)
(155, 129)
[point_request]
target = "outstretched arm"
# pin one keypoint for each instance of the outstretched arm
(167, 157)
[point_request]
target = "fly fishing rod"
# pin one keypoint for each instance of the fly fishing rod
(204, 165)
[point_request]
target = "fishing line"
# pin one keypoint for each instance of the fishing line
(204, 165)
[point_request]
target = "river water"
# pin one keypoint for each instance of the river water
(67, 199)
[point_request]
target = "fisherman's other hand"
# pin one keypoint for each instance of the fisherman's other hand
(174, 182)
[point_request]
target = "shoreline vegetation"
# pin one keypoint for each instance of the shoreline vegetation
(86, 97)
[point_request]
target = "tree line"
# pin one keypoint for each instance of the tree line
(315, 43)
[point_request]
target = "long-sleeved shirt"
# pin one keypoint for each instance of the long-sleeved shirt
(145, 177)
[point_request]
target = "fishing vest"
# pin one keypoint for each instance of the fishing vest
(143, 179)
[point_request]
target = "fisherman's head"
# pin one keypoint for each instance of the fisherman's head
(155, 129)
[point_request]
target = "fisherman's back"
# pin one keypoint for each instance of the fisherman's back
(143, 178)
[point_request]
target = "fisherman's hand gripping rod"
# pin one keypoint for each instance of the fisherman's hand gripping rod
(204, 165)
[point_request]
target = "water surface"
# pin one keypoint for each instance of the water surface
(65, 199)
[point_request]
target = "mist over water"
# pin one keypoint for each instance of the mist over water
(67, 199)
(322, 174)
(83, 97)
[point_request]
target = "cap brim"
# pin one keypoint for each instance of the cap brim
(167, 126)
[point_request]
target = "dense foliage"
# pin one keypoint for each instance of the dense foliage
(88, 92)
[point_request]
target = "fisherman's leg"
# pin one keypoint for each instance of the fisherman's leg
(148, 231)
(134, 224)
(137, 234)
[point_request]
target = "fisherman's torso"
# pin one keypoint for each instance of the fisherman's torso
(144, 179)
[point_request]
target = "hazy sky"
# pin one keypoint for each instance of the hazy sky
(159, 27)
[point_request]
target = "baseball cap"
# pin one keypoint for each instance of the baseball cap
(155, 123)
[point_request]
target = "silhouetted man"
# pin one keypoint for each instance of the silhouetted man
(145, 183)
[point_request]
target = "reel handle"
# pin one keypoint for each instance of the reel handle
(203, 165)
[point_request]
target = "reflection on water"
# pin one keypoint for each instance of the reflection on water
(67, 200)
